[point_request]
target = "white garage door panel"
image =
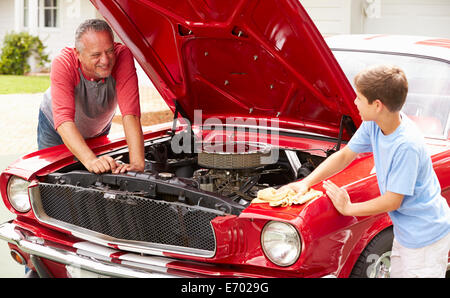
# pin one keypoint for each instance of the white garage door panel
(408, 17)
(420, 17)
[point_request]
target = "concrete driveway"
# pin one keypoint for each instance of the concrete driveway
(8, 267)
(18, 125)
(18, 122)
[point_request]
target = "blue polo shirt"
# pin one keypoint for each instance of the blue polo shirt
(404, 166)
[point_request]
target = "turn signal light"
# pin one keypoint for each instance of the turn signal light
(18, 257)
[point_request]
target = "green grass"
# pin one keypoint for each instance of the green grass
(10, 84)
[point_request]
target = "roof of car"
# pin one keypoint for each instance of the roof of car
(415, 45)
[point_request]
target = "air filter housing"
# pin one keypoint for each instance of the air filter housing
(233, 155)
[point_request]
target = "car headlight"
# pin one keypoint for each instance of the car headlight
(18, 194)
(281, 243)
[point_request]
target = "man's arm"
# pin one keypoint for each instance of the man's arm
(389, 201)
(128, 101)
(332, 165)
(77, 145)
(135, 140)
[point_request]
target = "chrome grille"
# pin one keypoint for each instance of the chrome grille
(129, 217)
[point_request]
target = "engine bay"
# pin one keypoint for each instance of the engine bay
(224, 177)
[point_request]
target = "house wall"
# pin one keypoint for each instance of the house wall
(72, 13)
(330, 16)
(412, 17)
(6, 18)
(409, 17)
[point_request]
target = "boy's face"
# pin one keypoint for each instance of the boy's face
(366, 110)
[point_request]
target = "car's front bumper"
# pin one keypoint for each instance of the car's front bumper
(89, 258)
(80, 258)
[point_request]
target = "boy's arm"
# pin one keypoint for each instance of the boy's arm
(332, 165)
(389, 201)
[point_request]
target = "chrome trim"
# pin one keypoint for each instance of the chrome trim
(41, 269)
(105, 240)
(382, 267)
(95, 263)
(294, 161)
(300, 241)
(87, 262)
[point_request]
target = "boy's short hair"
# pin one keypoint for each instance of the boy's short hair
(383, 82)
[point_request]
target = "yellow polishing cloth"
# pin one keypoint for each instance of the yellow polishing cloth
(284, 197)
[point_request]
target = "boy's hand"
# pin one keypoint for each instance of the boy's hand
(339, 197)
(299, 187)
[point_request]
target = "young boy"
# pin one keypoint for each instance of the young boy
(410, 190)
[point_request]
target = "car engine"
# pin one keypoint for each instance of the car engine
(173, 201)
(227, 175)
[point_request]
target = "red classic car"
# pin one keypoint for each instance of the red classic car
(259, 101)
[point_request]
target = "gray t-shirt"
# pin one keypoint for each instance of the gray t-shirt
(95, 105)
(90, 104)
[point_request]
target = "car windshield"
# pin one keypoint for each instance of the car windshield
(428, 100)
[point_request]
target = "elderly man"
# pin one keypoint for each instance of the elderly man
(87, 84)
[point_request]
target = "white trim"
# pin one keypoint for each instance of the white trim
(40, 10)
(18, 15)
(33, 25)
(95, 248)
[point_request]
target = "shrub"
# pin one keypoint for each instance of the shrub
(17, 47)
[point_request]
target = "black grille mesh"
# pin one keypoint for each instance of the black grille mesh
(129, 217)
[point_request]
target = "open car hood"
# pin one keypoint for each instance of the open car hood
(238, 59)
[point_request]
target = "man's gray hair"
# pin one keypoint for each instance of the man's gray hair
(96, 25)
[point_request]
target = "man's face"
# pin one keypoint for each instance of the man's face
(97, 56)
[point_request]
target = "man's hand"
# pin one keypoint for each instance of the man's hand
(124, 167)
(339, 197)
(104, 164)
(101, 164)
(77, 145)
